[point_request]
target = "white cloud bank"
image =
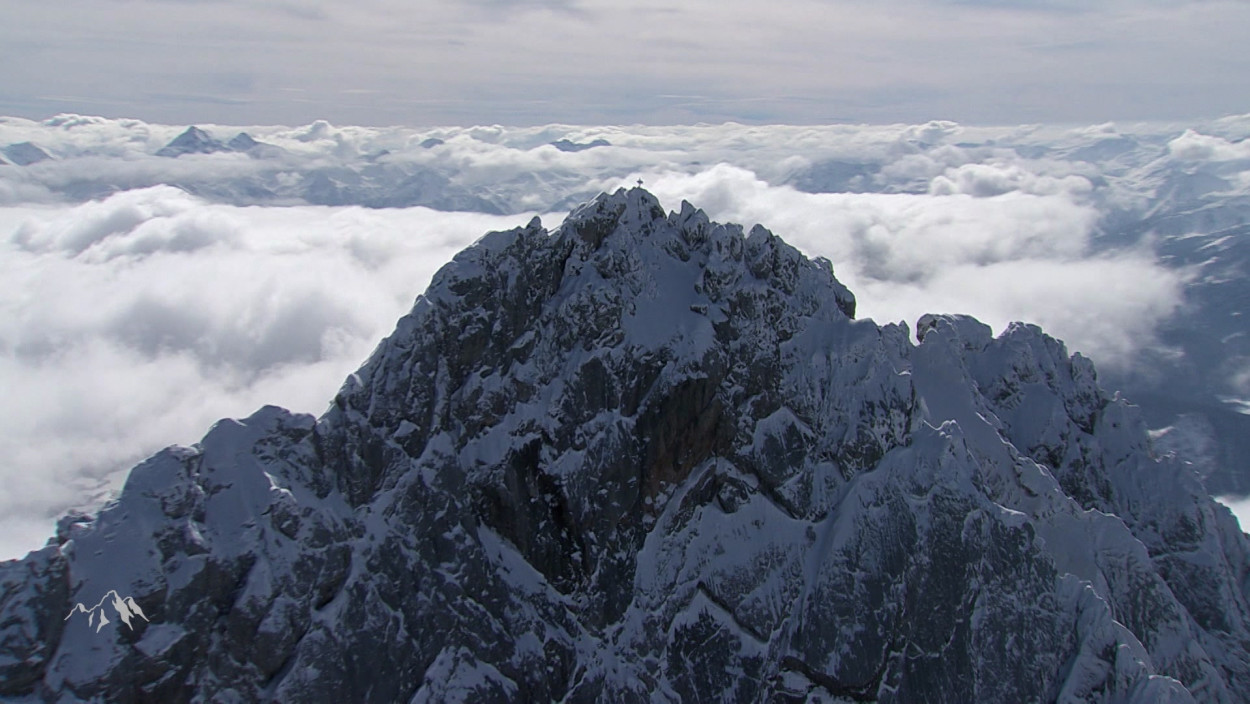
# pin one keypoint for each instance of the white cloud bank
(135, 322)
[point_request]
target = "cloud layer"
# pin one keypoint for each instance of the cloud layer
(136, 322)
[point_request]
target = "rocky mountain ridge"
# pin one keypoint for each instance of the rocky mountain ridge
(642, 457)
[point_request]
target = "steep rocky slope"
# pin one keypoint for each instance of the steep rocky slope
(646, 457)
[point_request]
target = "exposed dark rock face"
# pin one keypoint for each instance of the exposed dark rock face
(644, 457)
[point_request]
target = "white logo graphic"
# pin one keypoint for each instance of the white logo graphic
(97, 615)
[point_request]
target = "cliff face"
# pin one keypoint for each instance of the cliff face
(645, 457)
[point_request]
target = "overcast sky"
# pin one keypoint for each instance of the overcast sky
(523, 62)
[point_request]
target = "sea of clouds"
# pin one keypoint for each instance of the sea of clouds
(136, 322)
(146, 297)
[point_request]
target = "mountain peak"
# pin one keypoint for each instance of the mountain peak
(193, 140)
(633, 210)
(242, 142)
(25, 154)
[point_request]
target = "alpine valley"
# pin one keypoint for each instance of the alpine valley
(648, 457)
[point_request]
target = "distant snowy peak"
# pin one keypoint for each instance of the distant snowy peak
(193, 141)
(25, 154)
(242, 142)
(196, 141)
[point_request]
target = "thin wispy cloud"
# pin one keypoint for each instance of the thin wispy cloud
(593, 61)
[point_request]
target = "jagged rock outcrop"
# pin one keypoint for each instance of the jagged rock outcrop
(646, 457)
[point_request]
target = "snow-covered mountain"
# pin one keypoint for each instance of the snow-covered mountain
(648, 457)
